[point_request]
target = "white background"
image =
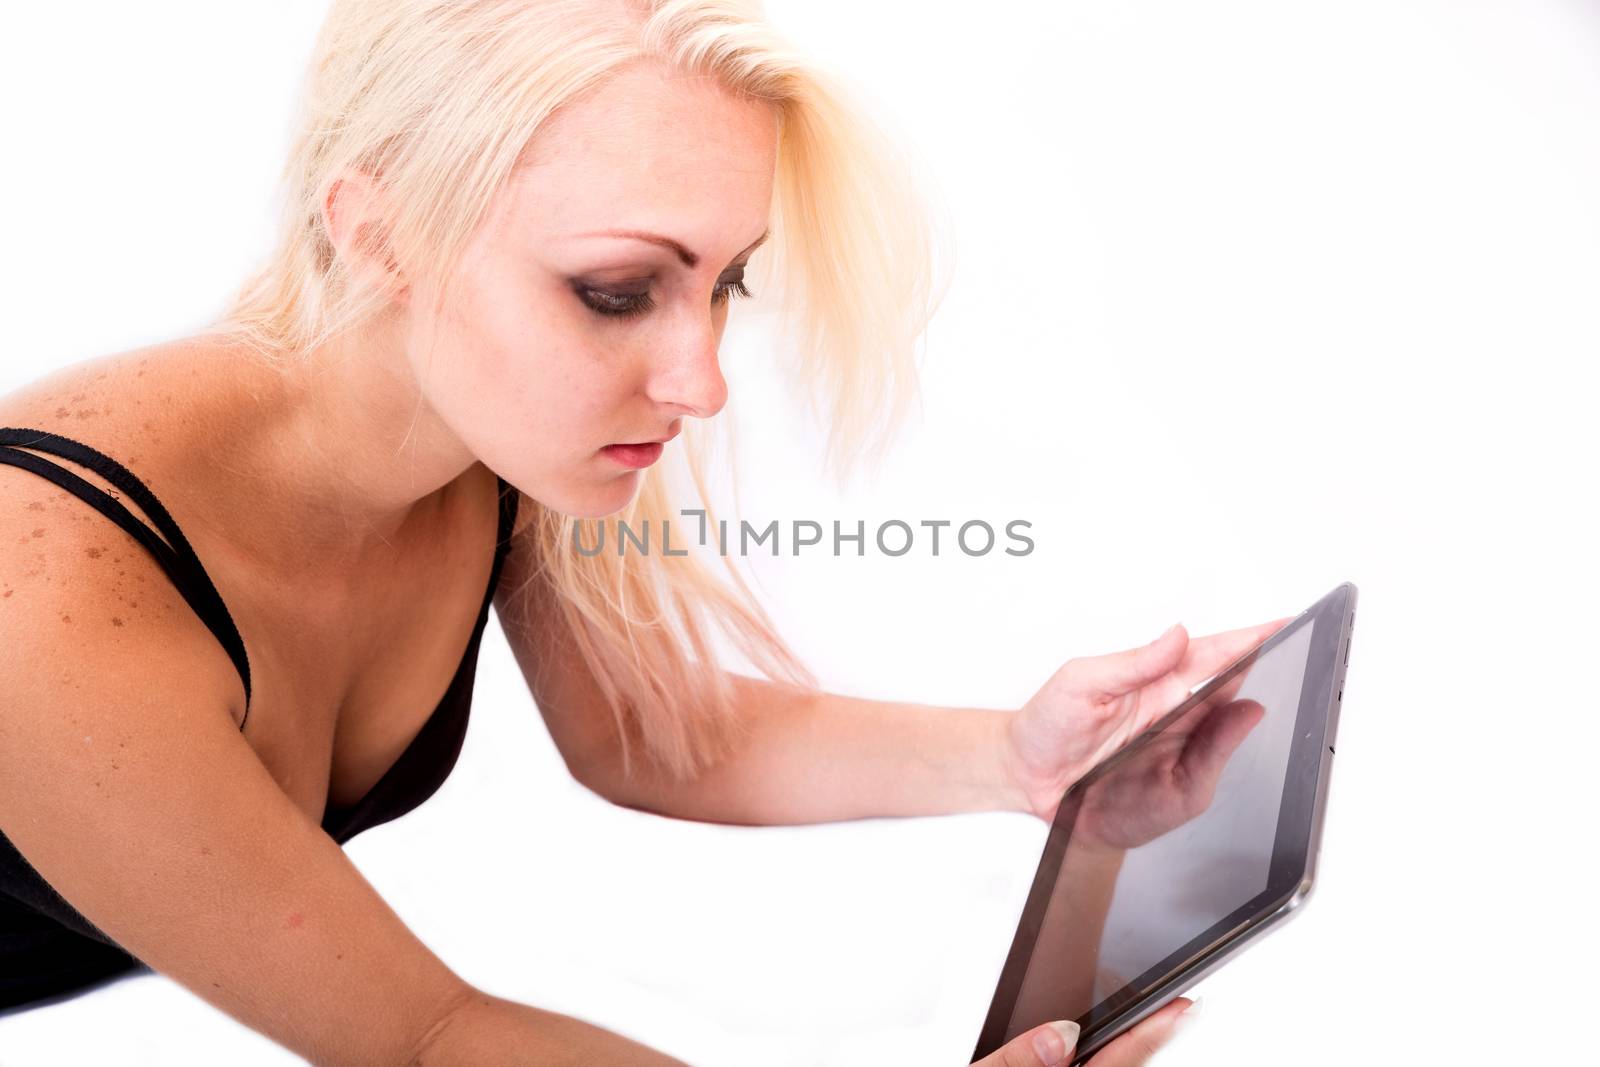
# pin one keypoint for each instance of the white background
(1251, 298)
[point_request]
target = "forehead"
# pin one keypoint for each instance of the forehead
(648, 139)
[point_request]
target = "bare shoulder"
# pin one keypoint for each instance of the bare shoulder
(72, 586)
(65, 566)
(129, 403)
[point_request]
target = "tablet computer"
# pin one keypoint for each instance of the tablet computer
(1183, 846)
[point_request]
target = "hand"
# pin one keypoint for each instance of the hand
(1169, 781)
(1131, 1049)
(1092, 706)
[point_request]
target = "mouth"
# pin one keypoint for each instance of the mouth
(635, 456)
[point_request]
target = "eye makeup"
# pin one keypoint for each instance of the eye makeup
(625, 304)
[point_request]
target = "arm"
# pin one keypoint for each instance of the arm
(1066, 955)
(808, 759)
(825, 757)
(125, 782)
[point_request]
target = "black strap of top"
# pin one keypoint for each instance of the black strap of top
(176, 557)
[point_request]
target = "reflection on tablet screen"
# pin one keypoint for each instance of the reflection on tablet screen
(1165, 844)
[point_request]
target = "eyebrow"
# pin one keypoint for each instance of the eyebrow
(686, 257)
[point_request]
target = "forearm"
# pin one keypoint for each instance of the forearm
(1066, 955)
(827, 757)
(489, 1031)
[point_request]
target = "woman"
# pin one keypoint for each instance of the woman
(511, 235)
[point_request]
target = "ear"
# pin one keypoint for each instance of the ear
(353, 215)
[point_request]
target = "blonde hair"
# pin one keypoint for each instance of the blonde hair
(439, 99)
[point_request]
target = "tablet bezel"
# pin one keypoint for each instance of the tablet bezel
(1292, 868)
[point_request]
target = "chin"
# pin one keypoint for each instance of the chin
(599, 501)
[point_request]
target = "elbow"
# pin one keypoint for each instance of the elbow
(605, 780)
(597, 777)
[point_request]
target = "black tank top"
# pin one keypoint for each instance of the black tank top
(46, 946)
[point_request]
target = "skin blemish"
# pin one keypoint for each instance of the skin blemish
(66, 618)
(296, 919)
(62, 413)
(38, 531)
(115, 621)
(94, 553)
(7, 593)
(37, 505)
(205, 850)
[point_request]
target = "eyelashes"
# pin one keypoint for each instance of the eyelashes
(627, 305)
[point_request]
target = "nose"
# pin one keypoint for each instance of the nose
(688, 377)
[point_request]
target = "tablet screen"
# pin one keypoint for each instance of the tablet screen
(1164, 844)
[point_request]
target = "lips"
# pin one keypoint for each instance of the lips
(635, 456)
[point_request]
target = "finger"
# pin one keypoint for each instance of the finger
(1215, 652)
(1209, 654)
(1049, 1045)
(1214, 741)
(1134, 1048)
(1123, 672)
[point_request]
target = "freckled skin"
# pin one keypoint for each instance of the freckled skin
(539, 383)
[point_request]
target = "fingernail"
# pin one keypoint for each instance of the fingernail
(1170, 631)
(1051, 1043)
(1188, 1017)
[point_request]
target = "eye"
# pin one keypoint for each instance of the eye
(615, 305)
(722, 293)
(624, 305)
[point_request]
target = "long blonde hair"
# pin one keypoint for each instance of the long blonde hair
(439, 99)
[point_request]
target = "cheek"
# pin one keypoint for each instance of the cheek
(515, 371)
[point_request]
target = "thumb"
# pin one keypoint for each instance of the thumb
(1123, 672)
(1049, 1045)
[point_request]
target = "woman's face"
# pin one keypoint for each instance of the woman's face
(565, 335)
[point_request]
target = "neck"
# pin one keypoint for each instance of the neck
(352, 447)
